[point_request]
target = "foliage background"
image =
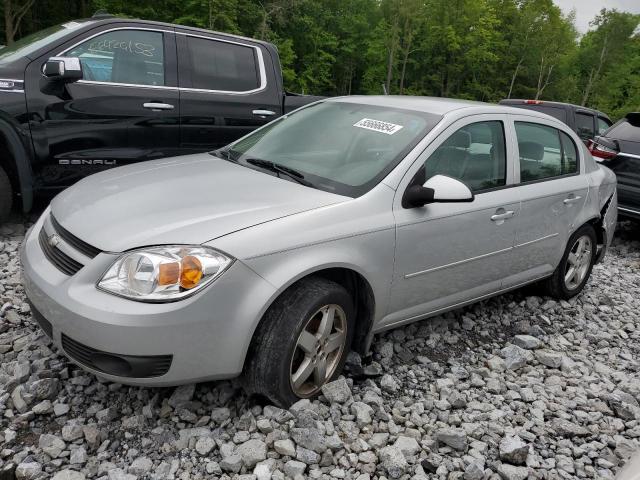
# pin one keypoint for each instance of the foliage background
(475, 49)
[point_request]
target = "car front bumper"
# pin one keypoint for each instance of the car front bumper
(203, 337)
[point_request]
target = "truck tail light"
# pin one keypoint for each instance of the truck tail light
(533, 102)
(600, 152)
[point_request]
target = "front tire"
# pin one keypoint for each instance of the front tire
(302, 342)
(574, 269)
(6, 196)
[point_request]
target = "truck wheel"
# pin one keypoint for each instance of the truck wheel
(302, 342)
(575, 267)
(6, 196)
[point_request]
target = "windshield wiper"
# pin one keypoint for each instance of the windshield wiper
(275, 167)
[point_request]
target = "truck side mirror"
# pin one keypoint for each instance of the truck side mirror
(63, 69)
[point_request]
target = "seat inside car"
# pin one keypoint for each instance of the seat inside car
(128, 68)
(451, 157)
(531, 155)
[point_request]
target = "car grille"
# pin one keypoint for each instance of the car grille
(74, 241)
(55, 255)
(61, 260)
(116, 364)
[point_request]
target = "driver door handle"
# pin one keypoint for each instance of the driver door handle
(502, 216)
(264, 113)
(158, 106)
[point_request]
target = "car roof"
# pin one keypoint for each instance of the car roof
(434, 105)
(521, 101)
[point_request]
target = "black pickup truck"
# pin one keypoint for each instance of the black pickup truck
(101, 92)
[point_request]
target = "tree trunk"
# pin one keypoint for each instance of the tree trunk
(387, 83)
(404, 67)
(540, 75)
(8, 22)
(513, 77)
(545, 84)
(13, 16)
(594, 73)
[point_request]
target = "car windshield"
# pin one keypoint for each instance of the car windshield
(340, 147)
(29, 44)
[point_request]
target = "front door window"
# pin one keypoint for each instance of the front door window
(133, 57)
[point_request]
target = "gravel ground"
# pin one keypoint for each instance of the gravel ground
(515, 387)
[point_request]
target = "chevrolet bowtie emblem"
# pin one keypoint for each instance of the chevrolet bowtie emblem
(53, 240)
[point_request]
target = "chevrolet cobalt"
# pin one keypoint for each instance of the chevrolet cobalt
(272, 257)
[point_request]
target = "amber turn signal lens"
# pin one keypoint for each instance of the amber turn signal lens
(191, 272)
(169, 274)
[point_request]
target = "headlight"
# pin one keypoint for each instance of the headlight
(164, 274)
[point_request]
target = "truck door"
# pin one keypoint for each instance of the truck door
(125, 109)
(227, 89)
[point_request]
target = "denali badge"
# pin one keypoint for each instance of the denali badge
(75, 161)
(53, 240)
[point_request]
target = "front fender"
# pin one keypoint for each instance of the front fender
(19, 149)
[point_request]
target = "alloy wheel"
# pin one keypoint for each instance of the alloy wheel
(318, 350)
(578, 262)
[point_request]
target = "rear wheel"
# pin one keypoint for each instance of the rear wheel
(6, 196)
(302, 343)
(574, 269)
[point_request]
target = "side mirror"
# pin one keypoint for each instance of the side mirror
(63, 69)
(438, 189)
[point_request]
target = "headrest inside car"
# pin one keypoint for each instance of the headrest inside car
(531, 150)
(460, 139)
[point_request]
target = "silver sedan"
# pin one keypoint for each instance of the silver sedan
(273, 257)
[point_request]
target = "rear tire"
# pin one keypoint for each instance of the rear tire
(6, 196)
(574, 269)
(302, 342)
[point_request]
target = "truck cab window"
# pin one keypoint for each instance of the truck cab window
(133, 57)
(585, 126)
(224, 66)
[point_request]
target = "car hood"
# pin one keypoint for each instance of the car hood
(182, 200)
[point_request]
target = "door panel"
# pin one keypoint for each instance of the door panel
(225, 91)
(547, 219)
(98, 123)
(451, 253)
(627, 168)
(552, 195)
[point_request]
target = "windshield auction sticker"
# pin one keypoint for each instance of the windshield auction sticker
(378, 126)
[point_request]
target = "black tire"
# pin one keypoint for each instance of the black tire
(556, 286)
(6, 196)
(269, 366)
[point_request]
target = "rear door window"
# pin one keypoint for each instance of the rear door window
(545, 152)
(222, 66)
(585, 126)
(603, 125)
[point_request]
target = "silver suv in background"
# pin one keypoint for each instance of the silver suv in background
(273, 257)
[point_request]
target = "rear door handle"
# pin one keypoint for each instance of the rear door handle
(158, 106)
(502, 216)
(572, 199)
(264, 113)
